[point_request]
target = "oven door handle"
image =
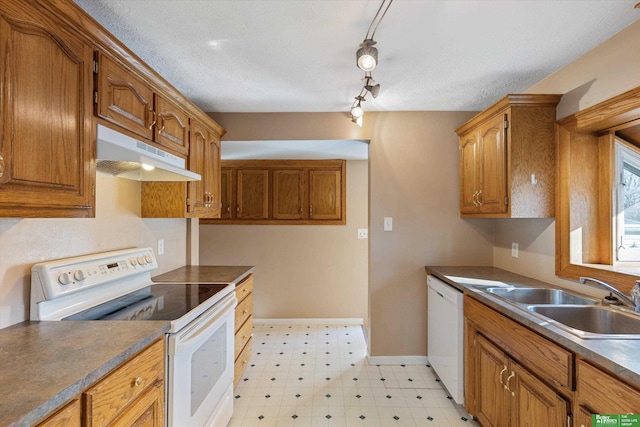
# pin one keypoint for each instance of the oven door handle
(197, 334)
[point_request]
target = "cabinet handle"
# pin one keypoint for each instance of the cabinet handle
(137, 382)
(238, 208)
(502, 372)
(153, 123)
(245, 311)
(479, 197)
(228, 209)
(475, 198)
(161, 130)
(513, 374)
(310, 210)
(1, 165)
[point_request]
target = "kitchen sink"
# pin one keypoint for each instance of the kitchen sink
(540, 296)
(592, 322)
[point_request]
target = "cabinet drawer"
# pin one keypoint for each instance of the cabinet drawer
(243, 311)
(549, 361)
(603, 393)
(242, 361)
(242, 336)
(244, 288)
(68, 416)
(105, 400)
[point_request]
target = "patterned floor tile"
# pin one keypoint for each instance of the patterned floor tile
(318, 375)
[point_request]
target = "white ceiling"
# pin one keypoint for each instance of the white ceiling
(299, 55)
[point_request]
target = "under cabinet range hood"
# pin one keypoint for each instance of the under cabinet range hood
(126, 157)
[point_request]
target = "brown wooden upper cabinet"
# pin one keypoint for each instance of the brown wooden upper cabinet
(46, 137)
(252, 194)
(507, 159)
(283, 192)
(194, 199)
(203, 197)
(126, 100)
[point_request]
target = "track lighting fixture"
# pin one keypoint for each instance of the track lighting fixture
(367, 60)
(367, 56)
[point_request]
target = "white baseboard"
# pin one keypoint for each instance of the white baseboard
(397, 360)
(303, 321)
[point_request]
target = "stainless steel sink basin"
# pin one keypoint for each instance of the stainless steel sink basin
(540, 296)
(595, 322)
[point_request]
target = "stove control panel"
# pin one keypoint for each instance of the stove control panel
(54, 279)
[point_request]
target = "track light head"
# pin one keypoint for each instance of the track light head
(373, 89)
(367, 55)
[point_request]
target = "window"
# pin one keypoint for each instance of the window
(627, 203)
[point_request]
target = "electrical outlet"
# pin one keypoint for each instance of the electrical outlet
(363, 233)
(514, 250)
(160, 246)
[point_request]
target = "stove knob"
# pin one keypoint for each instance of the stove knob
(141, 260)
(79, 275)
(148, 258)
(133, 261)
(64, 278)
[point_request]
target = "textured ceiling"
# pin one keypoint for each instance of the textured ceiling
(299, 55)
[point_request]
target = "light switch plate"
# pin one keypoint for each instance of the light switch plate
(160, 246)
(388, 223)
(514, 250)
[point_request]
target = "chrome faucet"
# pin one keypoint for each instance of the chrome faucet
(633, 302)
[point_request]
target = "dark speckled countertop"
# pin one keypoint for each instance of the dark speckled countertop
(206, 274)
(45, 364)
(618, 356)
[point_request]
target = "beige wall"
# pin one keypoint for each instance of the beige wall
(302, 271)
(24, 242)
(606, 71)
(413, 178)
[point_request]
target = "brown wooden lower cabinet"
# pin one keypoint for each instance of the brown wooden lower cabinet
(133, 394)
(508, 395)
(599, 392)
(69, 415)
(516, 377)
(243, 326)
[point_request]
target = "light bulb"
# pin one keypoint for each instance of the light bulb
(147, 167)
(357, 111)
(367, 56)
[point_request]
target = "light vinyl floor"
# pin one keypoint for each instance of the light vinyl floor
(318, 375)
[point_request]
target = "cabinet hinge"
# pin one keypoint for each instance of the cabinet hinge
(506, 200)
(95, 97)
(93, 191)
(188, 201)
(568, 420)
(506, 121)
(95, 67)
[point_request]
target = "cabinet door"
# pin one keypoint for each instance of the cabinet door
(226, 194)
(46, 132)
(252, 193)
(493, 172)
(492, 371)
(172, 127)
(212, 167)
(325, 194)
(469, 186)
(124, 99)
(147, 410)
(534, 403)
(289, 199)
(196, 193)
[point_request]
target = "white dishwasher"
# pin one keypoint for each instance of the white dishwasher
(445, 349)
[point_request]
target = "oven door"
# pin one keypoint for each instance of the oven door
(200, 369)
